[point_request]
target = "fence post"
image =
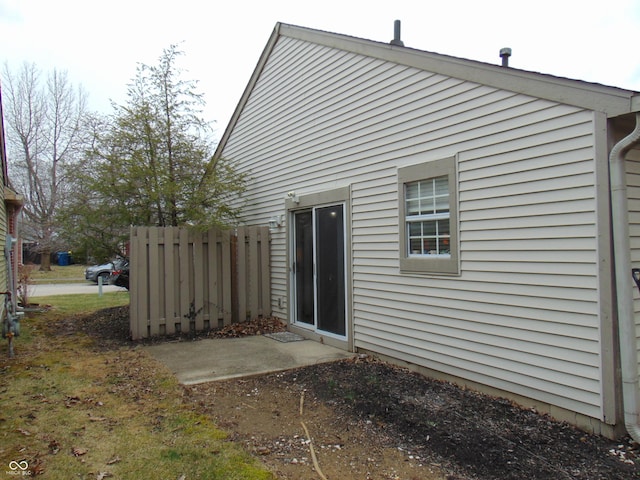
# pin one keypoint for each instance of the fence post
(134, 316)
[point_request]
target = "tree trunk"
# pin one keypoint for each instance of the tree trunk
(45, 261)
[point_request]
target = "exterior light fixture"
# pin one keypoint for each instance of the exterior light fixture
(293, 197)
(276, 221)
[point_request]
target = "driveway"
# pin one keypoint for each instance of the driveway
(46, 290)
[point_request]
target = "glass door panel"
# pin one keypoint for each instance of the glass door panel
(330, 278)
(303, 267)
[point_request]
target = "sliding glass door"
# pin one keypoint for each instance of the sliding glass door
(319, 278)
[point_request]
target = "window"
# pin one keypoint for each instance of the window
(428, 217)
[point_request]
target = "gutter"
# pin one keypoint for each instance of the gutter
(624, 283)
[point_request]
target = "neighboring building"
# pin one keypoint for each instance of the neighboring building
(449, 214)
(10, 205)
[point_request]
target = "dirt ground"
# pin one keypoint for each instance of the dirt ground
(366, 419)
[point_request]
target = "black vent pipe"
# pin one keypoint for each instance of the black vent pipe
(396, 34)
(505, 53)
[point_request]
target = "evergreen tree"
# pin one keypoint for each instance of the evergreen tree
(150, 164)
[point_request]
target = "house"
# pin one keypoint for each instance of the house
(461, 218)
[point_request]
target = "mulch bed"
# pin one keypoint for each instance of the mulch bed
(479, 436)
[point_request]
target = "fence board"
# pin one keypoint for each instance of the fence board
(169, 279)
(254, 269)
(198, 292)
(265, 274)
(187, 281)
(212, 307)
(182, 325)
(154, 272)
(241, 273)
(226, 279)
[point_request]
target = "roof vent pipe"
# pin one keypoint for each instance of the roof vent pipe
(396, 34)
(505, 53)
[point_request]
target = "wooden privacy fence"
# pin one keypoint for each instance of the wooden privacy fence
(185, 281)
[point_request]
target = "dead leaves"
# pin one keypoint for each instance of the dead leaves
(258, 326)
(54, 447)
(78, 451)
(103, 475)
(36, 469)
(72, 401)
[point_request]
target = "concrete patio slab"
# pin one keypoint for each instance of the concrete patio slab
(219, 359)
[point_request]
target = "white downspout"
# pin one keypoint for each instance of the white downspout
(624, 282)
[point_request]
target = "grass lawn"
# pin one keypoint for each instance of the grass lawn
(71, 409)
(58, 274)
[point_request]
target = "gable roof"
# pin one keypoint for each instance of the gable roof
(611, 101)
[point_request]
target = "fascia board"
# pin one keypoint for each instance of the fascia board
(12, 197)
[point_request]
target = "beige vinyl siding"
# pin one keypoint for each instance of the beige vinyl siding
(523, 314)
(633, 195)
(4, 280)
(4, 284)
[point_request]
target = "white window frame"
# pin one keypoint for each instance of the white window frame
(440, 264)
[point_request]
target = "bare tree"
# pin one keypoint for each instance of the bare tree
(45, 120)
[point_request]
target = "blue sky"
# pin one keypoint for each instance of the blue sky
(99, 43)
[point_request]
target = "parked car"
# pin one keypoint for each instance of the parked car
(104, 270)
(120, 275)
(96, 271)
